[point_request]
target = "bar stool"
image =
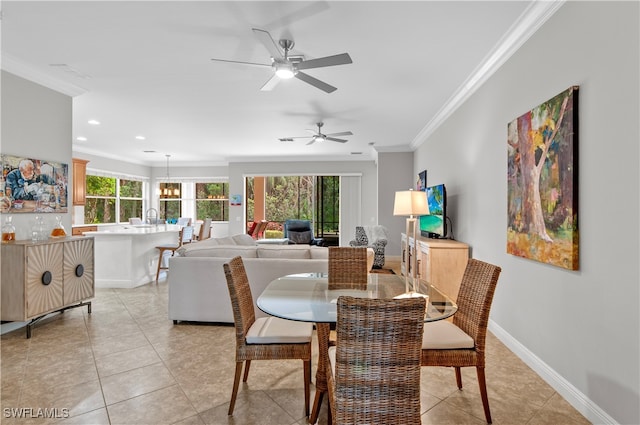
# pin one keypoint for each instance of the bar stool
(172, 248)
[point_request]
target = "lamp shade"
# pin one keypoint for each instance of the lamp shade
(410, 202)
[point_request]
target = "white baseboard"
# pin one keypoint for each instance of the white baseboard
(576, 398)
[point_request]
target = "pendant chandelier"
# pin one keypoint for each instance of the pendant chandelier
(167, 192)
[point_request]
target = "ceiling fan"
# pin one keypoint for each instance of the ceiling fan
(286, 66)
(318, 136)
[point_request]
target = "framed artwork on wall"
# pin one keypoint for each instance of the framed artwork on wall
(33, 185)
(542, 182)
(421, 184)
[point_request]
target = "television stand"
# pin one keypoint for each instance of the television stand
(441, 262)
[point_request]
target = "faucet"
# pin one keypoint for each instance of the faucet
(149, 214)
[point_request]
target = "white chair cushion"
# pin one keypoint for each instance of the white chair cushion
(273, 330)
(444, 335)
(332, 359)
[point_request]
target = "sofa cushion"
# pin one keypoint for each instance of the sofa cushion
(226, 241)
(319, 253)
(302, 237)
(224, 251)
(241, 239)
(284, 251)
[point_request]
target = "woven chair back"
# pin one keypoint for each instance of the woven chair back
(475, 298)
(377, 372)
(347, 267)
(244, 314)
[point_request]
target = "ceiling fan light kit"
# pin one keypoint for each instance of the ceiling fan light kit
(286, 67)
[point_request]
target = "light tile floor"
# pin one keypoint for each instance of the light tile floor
(126, 363)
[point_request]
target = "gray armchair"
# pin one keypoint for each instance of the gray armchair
(374, 237)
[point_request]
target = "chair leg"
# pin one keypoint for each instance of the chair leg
(307, 379)
(483, 393)
(159, 265)
(317, 403)
(236, 383)
(246, 370)
(458, 378)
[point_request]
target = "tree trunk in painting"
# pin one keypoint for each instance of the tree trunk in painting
(532, 218)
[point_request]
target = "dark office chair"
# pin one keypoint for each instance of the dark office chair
(300, 232)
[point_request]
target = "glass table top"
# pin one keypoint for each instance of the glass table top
(306, 297)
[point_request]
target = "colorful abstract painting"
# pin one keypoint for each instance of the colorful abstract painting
(542, 182)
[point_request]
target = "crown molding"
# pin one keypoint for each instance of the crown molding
(536, 14)
(16, 67)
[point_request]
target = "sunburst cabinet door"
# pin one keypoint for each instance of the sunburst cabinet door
(78, 270)
(44, 278)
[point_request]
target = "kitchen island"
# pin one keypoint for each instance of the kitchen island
(126, 255)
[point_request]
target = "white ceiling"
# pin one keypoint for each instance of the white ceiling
(144, 68)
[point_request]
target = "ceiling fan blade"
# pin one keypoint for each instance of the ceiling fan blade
(312, 141)
(271, 83)
(240, 62)
(268, 41)
(298, 137)
(333, 139)
(341, 59)
(344, 133)
(315, 82)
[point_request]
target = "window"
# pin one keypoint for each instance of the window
(106, 195)
(212, 201)
(100, 206)
(170, 200)
(130, 199)
(315, 198)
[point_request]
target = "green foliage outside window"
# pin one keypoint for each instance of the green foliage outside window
(298, 197)
(212, 201)
(101, 200)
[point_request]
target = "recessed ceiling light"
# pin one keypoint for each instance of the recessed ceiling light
(149, 151)
(81, 138)
(140, 137)
(94, 122)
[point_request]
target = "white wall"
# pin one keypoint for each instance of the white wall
(36, 123)
(581, 325)
(395, 172)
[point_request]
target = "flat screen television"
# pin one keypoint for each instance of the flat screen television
(434, 225)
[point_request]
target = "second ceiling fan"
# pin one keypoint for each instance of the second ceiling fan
(318, 136)
(286, 66)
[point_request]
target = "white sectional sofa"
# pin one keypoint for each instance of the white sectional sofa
(197, 284)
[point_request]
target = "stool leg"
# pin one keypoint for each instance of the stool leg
(159, 263)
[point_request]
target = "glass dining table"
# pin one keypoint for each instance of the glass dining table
(306, 297)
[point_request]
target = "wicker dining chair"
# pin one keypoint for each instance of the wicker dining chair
(461, 343)
(347, 267)
(373, 373)
(265, 338)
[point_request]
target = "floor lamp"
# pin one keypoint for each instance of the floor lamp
(411, 203)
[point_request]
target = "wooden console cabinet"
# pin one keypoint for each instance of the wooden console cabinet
(441, 262)
(42, 277)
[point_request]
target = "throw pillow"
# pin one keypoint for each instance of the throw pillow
(361, 237)
(300, 237)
